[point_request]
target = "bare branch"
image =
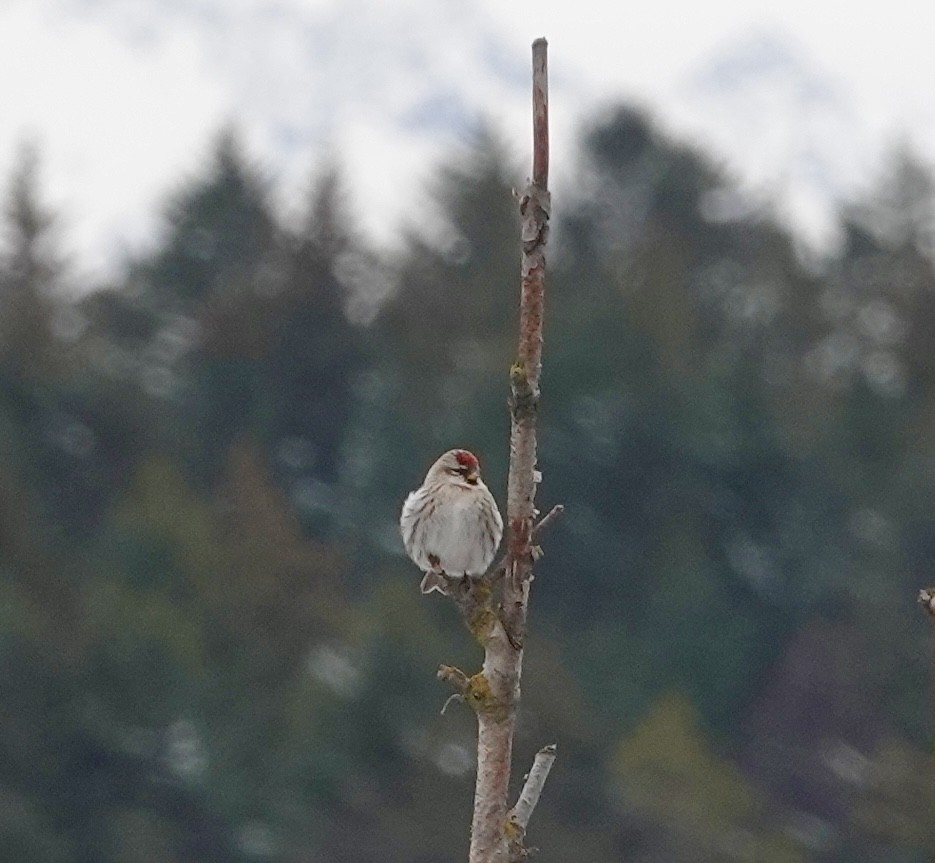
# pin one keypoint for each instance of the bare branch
(454, 676)
(494, 605)
(498, 570)
(532, 788)
(540, 113)
(503, 634)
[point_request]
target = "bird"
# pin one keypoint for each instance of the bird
(450, 525)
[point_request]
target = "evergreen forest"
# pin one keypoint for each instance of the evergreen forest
(212, 647)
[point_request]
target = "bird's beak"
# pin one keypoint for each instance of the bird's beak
(472, 476)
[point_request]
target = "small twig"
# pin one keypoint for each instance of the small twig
(926, 599)
(455, 696)
(547, 519)
(455, 677)
(498, 570)
(532, 788)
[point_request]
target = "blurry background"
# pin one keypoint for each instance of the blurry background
(259, 265)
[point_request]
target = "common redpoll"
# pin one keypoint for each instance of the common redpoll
(451, 524)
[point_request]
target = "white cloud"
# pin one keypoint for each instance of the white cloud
(115, 123)
(123, 98)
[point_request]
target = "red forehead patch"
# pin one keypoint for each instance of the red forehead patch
(468, 459)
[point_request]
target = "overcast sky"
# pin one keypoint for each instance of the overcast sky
(157, 95)
(883, 50)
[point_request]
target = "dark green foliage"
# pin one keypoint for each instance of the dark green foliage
(211, 648)
(219, 231)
